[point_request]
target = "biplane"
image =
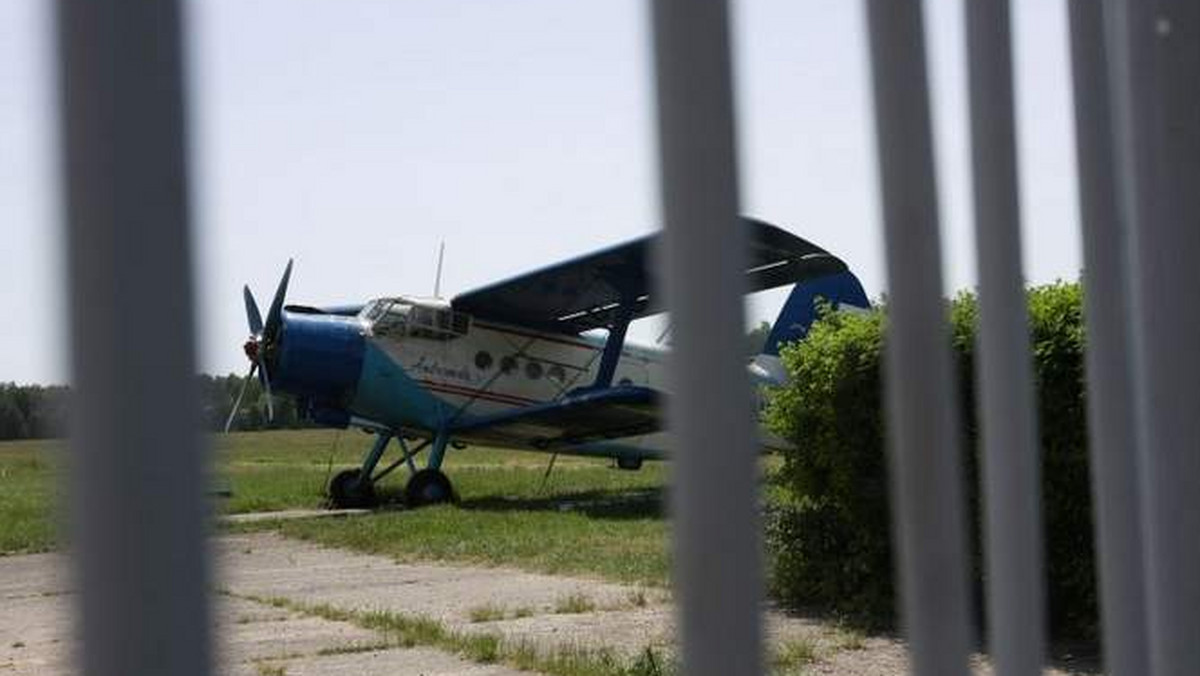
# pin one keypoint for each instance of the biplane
(538, 361)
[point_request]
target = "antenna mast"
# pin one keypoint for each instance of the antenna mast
(437, 281)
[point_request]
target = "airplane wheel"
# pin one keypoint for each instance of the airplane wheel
(347, 492)
(428, 487)
(629, 463)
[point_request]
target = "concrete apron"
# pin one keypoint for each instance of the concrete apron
(255, 637)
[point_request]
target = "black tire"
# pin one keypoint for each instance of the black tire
(347, 491)
(428, 487)
(631, 464)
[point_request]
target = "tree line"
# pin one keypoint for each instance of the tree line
(41, 411)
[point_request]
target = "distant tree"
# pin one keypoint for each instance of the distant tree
(41, 411)
(13, 424)
(45, 409)
(219, 393)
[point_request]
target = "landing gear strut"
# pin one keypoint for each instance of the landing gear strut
(355, 488)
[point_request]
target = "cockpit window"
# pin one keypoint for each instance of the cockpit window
(375, 310)
(393, 320)
(397, 318)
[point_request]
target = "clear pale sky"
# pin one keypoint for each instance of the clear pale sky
(355, 135)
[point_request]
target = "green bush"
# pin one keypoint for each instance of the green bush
(829, 535)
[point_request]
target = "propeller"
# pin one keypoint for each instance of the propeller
(237, 403)
(275, 314)
(262, 338)
(253, 316)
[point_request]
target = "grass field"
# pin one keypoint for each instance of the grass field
(28, 488)
(587, 519)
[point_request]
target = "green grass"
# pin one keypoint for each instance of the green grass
(487, 613)
(587, 518)
(265, 471)
(629, 547)
(29, 473)
(353, 648)
(793, 656)
(265, 669)
(573, 604)
(269, 471)
(849, 638)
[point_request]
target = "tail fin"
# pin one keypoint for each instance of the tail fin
(841, 289)
(800, 311)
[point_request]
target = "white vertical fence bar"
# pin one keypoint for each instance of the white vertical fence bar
(136, 456)
(1155, 70)
(713, 488)
(1111, 439)
(922, 409)
(1008, 422)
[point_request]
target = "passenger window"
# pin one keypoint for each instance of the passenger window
(483, 360)
(508, 364)
(460, 323)
(533, 370)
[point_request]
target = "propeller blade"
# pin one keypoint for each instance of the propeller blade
(237, 403)
(253, 316)
(266, 381)
(275, 314)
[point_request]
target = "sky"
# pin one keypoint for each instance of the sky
(357, 135)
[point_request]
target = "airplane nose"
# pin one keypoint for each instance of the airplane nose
(319, 357)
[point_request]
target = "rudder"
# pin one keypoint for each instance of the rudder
(800, 310)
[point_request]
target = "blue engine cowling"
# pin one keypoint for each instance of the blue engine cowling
(319, 358)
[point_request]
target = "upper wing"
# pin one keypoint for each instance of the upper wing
(594, 415)
(584, 293)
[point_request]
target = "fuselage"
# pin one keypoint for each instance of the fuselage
(416, 366)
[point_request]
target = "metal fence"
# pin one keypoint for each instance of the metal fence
(139, 505)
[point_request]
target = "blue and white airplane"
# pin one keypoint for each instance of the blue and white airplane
(513, 364)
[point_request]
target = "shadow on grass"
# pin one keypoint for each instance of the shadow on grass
(644, 503)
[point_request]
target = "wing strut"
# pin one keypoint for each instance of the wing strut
(612, 346)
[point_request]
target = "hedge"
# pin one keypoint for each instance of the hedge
(828, 535)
